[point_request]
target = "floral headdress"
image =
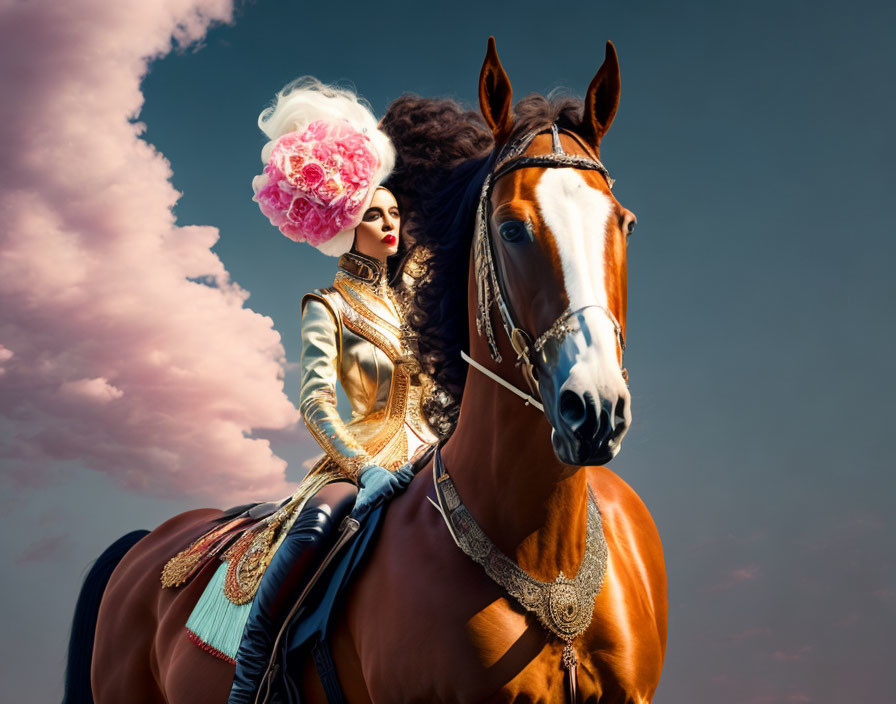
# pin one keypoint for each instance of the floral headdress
(319, 179)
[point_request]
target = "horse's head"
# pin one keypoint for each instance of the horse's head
(551, 252)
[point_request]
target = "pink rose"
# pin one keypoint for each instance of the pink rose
(338, 220)
(316, 131)
(330, 191)
(286, 143)
(353, 142)
(314, 224)
(354, 202)
(312, 175)
(293, 230)
(274, 196)
(299, 210)
(316, 180)
(287, 146)
(325, 152)
(273, 172)
(342, 129)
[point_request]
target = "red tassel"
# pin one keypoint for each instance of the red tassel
(196, 640)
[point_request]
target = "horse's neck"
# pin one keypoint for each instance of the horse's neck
(505, 470)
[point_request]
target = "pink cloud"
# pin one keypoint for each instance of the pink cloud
(884, 594)
(744, 574)
(109, 353)
(750, 634)
(734, 577)
(792, 655)
(44, 550)
(851, 618)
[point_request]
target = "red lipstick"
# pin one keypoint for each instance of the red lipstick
(389, 239)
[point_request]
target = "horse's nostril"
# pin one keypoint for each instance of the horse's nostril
(604, 423)
(619, 413)
(572, 409)
(578, 412)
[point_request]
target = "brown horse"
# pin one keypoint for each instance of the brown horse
(423, 622)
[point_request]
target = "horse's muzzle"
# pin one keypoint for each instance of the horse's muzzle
(585, 397)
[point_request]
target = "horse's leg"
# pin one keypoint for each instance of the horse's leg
(141, 653)
(159, 664)
(194, 676)
(631, 616)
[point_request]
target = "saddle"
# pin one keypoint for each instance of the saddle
(246, 538)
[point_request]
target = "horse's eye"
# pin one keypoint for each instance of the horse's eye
(627, 222)
(515, 231)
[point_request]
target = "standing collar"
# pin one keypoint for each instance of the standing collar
(360, 266)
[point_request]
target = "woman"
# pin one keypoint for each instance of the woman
(355, 331)
(325, 162)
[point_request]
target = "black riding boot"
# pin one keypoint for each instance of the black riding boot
(306, 544)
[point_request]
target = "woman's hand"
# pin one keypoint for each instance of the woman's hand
(378, 485)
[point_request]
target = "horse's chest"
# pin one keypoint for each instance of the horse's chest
(429, 625)
(468, 645)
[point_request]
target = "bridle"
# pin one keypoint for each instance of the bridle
(489, 278)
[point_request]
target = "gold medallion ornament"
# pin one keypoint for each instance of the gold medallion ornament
(565, 606)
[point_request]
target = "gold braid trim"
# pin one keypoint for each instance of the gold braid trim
(359, 298)
(357, 319)
(399, 391)
(350, 465)
(408, 385)
(181, 567)
(250, 556)
(247, 559)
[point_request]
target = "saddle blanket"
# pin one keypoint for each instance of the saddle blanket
(246, 545)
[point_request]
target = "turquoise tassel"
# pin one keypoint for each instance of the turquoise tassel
(217, 621)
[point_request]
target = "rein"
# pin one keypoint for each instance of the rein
(529, 399)
(490, 285)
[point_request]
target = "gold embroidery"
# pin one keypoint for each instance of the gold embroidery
(367, 315)
(180, 568)
(359, 325)
(364, 302)
(352, 465)
(248, 558)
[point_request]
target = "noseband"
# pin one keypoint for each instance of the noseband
(490, 280)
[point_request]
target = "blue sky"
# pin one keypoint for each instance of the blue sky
(754, 144)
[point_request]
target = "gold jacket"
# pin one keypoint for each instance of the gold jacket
(354, 332)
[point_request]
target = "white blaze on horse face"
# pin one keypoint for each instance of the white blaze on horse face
(577, 216)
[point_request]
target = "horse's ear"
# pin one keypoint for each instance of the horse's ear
(496, 95)
(602, 98)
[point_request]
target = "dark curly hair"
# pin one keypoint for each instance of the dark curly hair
(444, 154)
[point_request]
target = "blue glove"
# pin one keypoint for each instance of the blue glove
(378, 485)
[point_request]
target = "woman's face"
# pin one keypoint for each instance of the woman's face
(377, 235)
